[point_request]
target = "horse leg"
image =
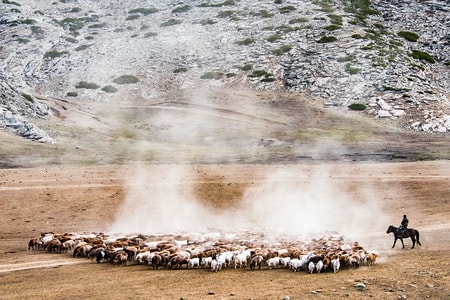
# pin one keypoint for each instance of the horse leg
(413, 241)
(395, 241)
(401, 240)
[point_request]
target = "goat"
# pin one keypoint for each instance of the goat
(319, 266)
(273, 262)
(33, 244)
(193, 262)
(311, 267)
(336, 264)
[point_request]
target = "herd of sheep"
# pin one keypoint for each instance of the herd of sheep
(212, 251)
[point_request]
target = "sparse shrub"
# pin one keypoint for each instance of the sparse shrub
(87, 85)
(409, 36)
(327, 39)
(132, 17)
(72, 94)
(181, 9)
(37, 31)
(274, 37)
(345, 58)
(357, 106)
(126, 79)
(229, 75)
(150, 34)
(26, 96)
(22, 40)
(212, 75)
(335, 19)
(207, 22)
(171, 22)
(332, 27)
(245, 42)
(75, 10)
(119, 30)
(11, 2)
(54, 53)
(89, 37)
(98, 25)
(357, 36)
(143, 11)
(109, 89)
(351, 70)
(71, 40)
(82, 47)
(287, 9)
(180, 70)
(422, 56)
(225, 3)
(246, 67)
(265, 14)
(225, 13)
(298, 20)
(282, 50)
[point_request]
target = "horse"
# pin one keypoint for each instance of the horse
(408, 233)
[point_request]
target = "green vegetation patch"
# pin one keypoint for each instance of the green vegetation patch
(181, 9)
(26, 96)
(245, 42)
(126, 79)
(220, 4)
(11, 3)
(143, 11)
(171, 22)
(282, 50)
(150, 34)
(205, 22)
(351, 70)
(409, 36)
(332, 27)
(87, 85)
(226, 14)
(246, 67)
(180, 70)
(327, 39)
(54, 53)
(345, 58)
(274, 37)
(72, 94)
(82, 47)
(287, 9)
(109, 89)
(212, 75)
(357, 106)
(132, 17)
(298, 20)
(422, 56)
(335, 19)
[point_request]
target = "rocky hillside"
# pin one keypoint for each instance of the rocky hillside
(388, 58)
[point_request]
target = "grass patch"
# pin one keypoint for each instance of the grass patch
(132, 17)
(226, 14)
(335, 19)
(357, 106)
(180, 70)
(171, 22)
(109, 89)
(212, 75)
(332, 27)
(351, 70)
(245, 42)
(87, 85)
(327, 39)
(126, 79)
(181, 9)
(150, 34)
(26, 96)
(205, 22)
(54, 53)
(274, 37)
(221, 4)
(298, 20)
(422, 56)
(345, 58)
(246, 67)
(72, 94)
(287, 9)
(143, 11)
(409, 36)
(282, 50)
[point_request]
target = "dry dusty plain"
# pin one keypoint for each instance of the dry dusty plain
(89, 198)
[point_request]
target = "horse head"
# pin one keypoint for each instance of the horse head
(390, 229)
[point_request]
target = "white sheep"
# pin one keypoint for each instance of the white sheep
(319, 266)
(193, 262)
(335, 264)
(311, 267)
(240, 259)
(273, 262)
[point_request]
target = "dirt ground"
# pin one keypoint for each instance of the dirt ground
(87, 198)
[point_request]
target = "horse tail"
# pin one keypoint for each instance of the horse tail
(417, 238)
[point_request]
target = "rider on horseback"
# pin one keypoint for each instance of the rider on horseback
(403, 225)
